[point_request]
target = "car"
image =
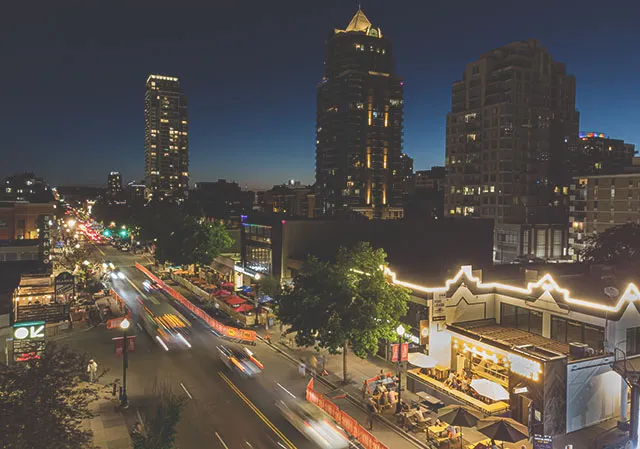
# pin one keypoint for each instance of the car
(117, 274)
(149, 285)
(312, 422)
(240, 361)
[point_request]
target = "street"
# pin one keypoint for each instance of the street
(222, 410)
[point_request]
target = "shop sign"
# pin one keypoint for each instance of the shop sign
(64, 284)
(524, 367)
(542, 442)
(45, 238)
(520, 390)
(438, 307)
(32, 330)
(424, 332)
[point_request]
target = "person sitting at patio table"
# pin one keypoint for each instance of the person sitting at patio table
(393, 397)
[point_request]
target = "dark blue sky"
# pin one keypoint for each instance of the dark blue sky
(72, 78)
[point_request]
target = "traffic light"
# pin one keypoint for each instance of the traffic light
(124, 233)
(106, 233)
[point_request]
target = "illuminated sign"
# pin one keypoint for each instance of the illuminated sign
(31, 330)
(521, 390)
(524, 367)
(590, 135)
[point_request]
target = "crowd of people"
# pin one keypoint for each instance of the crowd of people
(462, 382)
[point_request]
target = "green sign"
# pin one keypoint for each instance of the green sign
(29, 330)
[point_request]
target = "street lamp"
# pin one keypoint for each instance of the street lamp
(124, 325)
(400, 332)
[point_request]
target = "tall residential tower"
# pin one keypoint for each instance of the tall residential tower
(359, 124)
(166, 138)
(512, 117)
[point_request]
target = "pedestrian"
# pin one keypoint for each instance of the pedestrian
(372, 409)
(92, 369)
(314, 365)
(302, 369)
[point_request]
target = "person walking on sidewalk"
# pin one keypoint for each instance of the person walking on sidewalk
(372, 409)
(92, 370)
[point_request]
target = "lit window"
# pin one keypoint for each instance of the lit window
(471, 137)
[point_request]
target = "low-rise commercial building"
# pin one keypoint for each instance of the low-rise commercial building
(549, 342)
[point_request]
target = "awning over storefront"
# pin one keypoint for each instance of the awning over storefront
(221, 268)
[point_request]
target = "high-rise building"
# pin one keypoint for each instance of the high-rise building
(594, 153)
(433, 178)
(114, 185)
(512, 114)
(166, 138)
(359, 124)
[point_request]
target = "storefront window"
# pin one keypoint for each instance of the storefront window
(574, 332)
(522, 318)
(508, 315)
(535, 322)
(559, 329)
(633, 341)
(594, 337)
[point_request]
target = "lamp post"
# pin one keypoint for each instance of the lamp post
(400, 332)
(124, 325)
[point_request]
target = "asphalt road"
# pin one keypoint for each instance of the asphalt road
(222, 409)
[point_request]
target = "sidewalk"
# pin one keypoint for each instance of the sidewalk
(108, 425)
(358, 371)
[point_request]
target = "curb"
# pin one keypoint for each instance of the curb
(383, 419)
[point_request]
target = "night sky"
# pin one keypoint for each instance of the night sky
(72, 78)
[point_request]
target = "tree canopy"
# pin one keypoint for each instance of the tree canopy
(161, 419)
(43, 401)
(619, 245)
(193, 241)
(343, 303)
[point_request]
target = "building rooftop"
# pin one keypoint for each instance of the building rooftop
(359, 22)
(511, 338)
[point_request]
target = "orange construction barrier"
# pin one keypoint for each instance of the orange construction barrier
(226, 331)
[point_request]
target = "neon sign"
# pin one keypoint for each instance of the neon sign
(31, 330)
(591, 135)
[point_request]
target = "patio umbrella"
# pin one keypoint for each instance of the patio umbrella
(460, 415)
(244, 308)
(503, 429)
(228, 285)
(221, 293)
(234, 300)
(422, 360)
(489, 389)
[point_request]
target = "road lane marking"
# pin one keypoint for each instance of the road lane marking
(150, 298)
(139, 327)
(221, 441)
(186, 391)
(290, 394)
(255, 409)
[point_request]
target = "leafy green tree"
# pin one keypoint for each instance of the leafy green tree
(43, 401)
(619, 245)
(193, 242)
(345, 303)
(269, 286)
(161, 419)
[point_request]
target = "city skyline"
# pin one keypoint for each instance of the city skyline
(260, 99)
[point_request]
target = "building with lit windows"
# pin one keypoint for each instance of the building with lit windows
(114, 186)
(512, 115)
(600, 202)
(359, 165)
(166, 138)
(596, 154)
(550, 342)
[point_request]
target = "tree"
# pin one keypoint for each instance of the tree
(268, 285)
(162, 418)
(619, 245)
(72, 257)
(347, 303)
(43, 401)
(193, 242)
